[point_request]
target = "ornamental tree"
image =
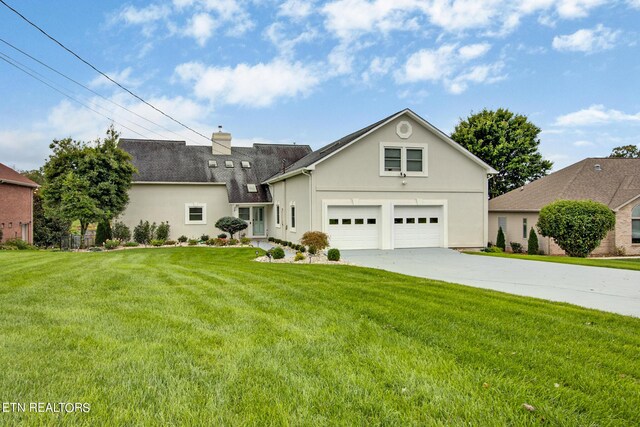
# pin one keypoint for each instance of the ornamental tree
(577, 226)
(506, 141)
(231, 225)
(532, 246)
(500, 241)
(316, 240)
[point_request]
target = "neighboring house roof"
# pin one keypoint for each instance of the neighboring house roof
(616, 183)
(325, 152)
(9, 176)
(177, 162)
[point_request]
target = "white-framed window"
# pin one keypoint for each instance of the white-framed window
(635, 224)
(278, 215)
(244, 213)
(400, 159)
(251, 188)
(292, 216)
(195, 213)
(524, 228)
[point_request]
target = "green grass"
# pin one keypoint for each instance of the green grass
(625, 264)
(202, 336)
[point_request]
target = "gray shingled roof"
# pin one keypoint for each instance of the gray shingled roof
(616, 183)
(174, 161)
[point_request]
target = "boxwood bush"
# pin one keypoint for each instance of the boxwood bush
(333, 254)
(277, 252)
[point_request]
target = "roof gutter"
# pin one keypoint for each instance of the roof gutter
(288, 175)
(177, 183)
(22, 184)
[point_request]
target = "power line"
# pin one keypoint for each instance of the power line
(64, 94)
(89, 89)
(100, 72)
(60, 89)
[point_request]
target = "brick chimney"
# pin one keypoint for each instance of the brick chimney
(221, 142)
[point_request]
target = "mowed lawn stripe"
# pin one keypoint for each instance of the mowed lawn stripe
(207, 336)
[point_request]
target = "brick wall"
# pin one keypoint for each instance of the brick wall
(15, 210)
(623, 230)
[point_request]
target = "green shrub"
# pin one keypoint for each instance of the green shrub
(142, 233)
(317, 239)
(313, 250)
(120, 232)
(170, 243)
(299, 256)
(131, 244)
(233, 242)
(111, 244)
(162, 232)
(516, 247)
(95, 249)
(204, 237)
(333, 254)
(500, 240)
(182, 239)
(577, 226)
(18, 244)
(8, 248)
(231, 225)
(277, 252)
(222, 236)
(103, 232)
(532, 244)
(157, 242)
(302, 249)
(492, 249)
(245, 240)
(210, 242)
(270, 239)
(193, 242)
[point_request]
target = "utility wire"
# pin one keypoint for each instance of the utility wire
(61, 89)
(90, 90)
(100, 72)
(64, 94)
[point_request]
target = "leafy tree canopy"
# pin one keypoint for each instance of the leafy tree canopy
(626, 151)
(87, 181)
(231, 225)
(506, 141)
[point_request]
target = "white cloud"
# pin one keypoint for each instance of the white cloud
(448, 64)
(587, 40)
(583, 143)
(378, 67)
(145, 15)
(258, 85)
(201, 27)
(596, 115)
(295, 9)
(277, 34)
(123, 77)
(634, 3)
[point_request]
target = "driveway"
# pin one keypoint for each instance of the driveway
(607, 289)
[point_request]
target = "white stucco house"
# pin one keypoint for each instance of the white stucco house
(398, 183)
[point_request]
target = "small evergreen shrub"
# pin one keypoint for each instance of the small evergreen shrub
(193, 242)
(103, 232)
(302, 249)
(157, 242)
(492, 249)
(500, 240)
(121, 232)
(182, 239)
(131, 244)
(220, 242)
(270, 239)
(222, 236)
(313, 250)
(210, 242)
(204, 237)
(162, 232)
(277, 253)
(299, 257)
(532, 244)
(170, 243)
(333, 254)
(142, 232)
(18, 244)
(233, 242)
(516, 247)
(245, 240)
(111, 244)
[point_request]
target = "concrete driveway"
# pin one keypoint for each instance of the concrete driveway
(607, 289)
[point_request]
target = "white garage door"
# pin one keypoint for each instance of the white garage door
(418, 227)
(354, 227)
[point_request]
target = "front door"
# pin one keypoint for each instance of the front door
(258, 221)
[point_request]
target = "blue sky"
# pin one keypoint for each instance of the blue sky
(311, 72)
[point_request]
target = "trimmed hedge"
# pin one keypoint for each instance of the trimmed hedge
(333, 254)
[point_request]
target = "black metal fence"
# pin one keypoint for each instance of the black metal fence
(72, 241)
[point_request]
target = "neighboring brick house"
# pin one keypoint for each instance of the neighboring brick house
(614, 182)
(16, 205)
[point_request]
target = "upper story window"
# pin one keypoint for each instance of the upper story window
(635, 224)
(245, 164)
(398, 159)
(228, 163)
(251, 188)
(195, 213)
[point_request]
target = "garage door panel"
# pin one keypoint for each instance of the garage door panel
(354, 227)
(418, 226)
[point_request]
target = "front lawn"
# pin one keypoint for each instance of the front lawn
(202, 336)
(625, 264)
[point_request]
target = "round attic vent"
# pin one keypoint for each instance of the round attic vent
(404, 129)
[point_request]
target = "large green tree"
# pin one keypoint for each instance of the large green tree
(506, 141)
(626, 151)
(88, 182)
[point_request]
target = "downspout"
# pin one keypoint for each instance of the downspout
(308, 173)
(285, 220)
